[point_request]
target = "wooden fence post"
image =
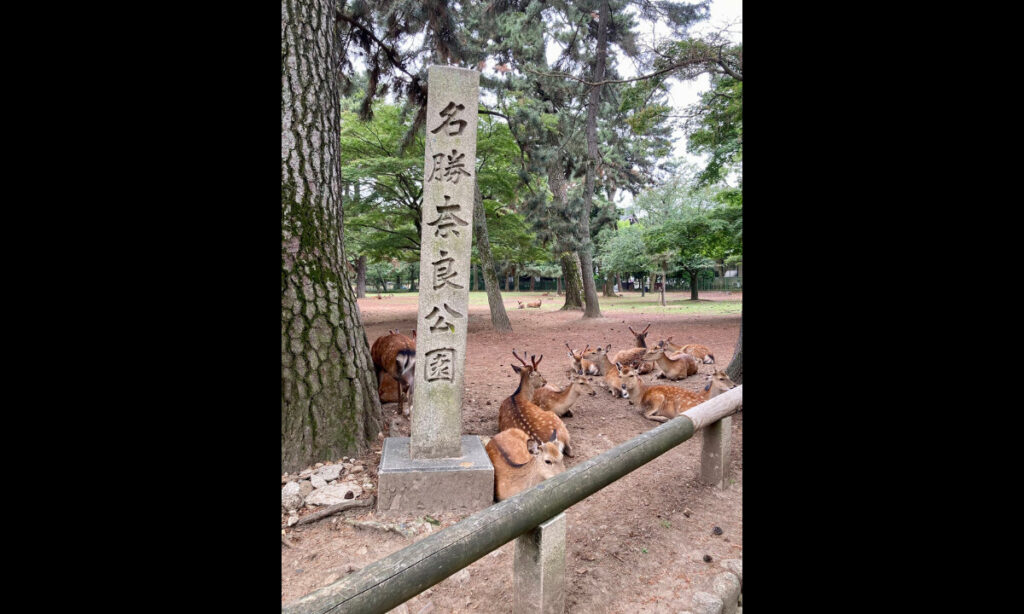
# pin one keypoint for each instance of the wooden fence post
(714, 452)
(539, 569)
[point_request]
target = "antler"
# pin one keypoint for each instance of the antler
(585, 349)
(645, 330)
(525, 364)
(631, 330)
(536, 361)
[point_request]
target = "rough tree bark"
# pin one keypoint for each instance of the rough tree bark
(329, 403)
(593, 309)
(360, 277)
(499, 318)
(570, 262)
(735, 368)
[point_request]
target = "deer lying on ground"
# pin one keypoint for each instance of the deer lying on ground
(677, 366)
(634, 357)
(612, 374)
(520, 463)
(394, 356)
(521, 306)
(580, 364)
(558, 401)
(519, 410)
(535, 303)
(662, 403)
(698, 351)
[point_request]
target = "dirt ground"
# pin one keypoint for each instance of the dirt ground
(638, 545)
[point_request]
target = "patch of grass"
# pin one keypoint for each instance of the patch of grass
(666, 524)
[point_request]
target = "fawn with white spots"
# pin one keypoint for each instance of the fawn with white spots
(662, 403)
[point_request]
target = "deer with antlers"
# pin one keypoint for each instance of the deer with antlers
(612, 370)
(580, 364)
(394, 359)
(558, 401)
(519, 410)
(633, 355)
(662, 403)
(698, 351)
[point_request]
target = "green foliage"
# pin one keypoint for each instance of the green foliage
(717, 129)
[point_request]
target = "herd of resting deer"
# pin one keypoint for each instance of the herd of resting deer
(532, 437)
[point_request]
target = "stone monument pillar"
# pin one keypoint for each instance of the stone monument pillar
(437, 468)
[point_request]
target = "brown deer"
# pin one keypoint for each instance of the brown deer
(521, 305)
(580, 364)
(612, 371)
(662, 403)
(394, 357)
(632, 356)
(519, 463)
(700, 352)
(673, 367)
(519, 411)
(559, 401)
(535, 303)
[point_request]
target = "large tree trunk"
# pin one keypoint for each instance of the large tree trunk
(329, 404)
(593, 310)
(643, 282)
(515, 276)
(735, 368)
(608, 285)
(558, 285)
(531, 282)
(414, 274)
(499, 318)
(472, 278)
(693, 285)
(570, 262)
(360, 277)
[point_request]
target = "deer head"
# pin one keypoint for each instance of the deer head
(641, 337)
(720, 382)
(528, 372)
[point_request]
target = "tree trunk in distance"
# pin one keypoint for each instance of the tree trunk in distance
(499, 319)
(472, 278)
(515, 276)
(735, 368)
(593, 309)
(570, 263)
(693, 286)
(329, 403)
(664, 282)
(361, 277)
(531, 283)
(558, 285)
(643, 282)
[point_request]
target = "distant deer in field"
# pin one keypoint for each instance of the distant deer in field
(580, 364)
(662, 403)
(700, 352)
(559, 401)
(521, 305)
(394, 356)
(519, 410)
(612, 371)
(677, 366)
(520, 463)
(546, 294)
(535, 303)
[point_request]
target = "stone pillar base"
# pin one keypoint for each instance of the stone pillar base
(539, 569)
(460, 484)
(715, 453)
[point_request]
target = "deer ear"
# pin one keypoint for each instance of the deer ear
(561, 446)
(515, 368)
(554, 436)
(609, 348)
(532, 446)
(618, 366)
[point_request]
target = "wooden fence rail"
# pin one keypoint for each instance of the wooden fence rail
(396, 578)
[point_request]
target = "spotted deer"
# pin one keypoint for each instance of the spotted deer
(558, 401)
(519, 411)
(674, 367)
(394, 358)
(535, 303)
(698, 351)
(520, 463)
(580, 364)
(662, 403)
(612, 371)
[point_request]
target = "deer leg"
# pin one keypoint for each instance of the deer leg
(651, 416)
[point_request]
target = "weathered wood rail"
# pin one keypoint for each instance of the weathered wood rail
(394, 579)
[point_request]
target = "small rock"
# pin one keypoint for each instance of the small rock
(330, 495)
(330, 472)
(305, 488)
(735, 566)
(305, 473)
(357, 469)
(293, 519)
(487, 403)
(316, 481)
(290, 496)
(362, 550)
(687, 512)
(318, 465)
(717, 530)
(707, 558)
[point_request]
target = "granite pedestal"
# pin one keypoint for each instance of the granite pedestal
(459, 484)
